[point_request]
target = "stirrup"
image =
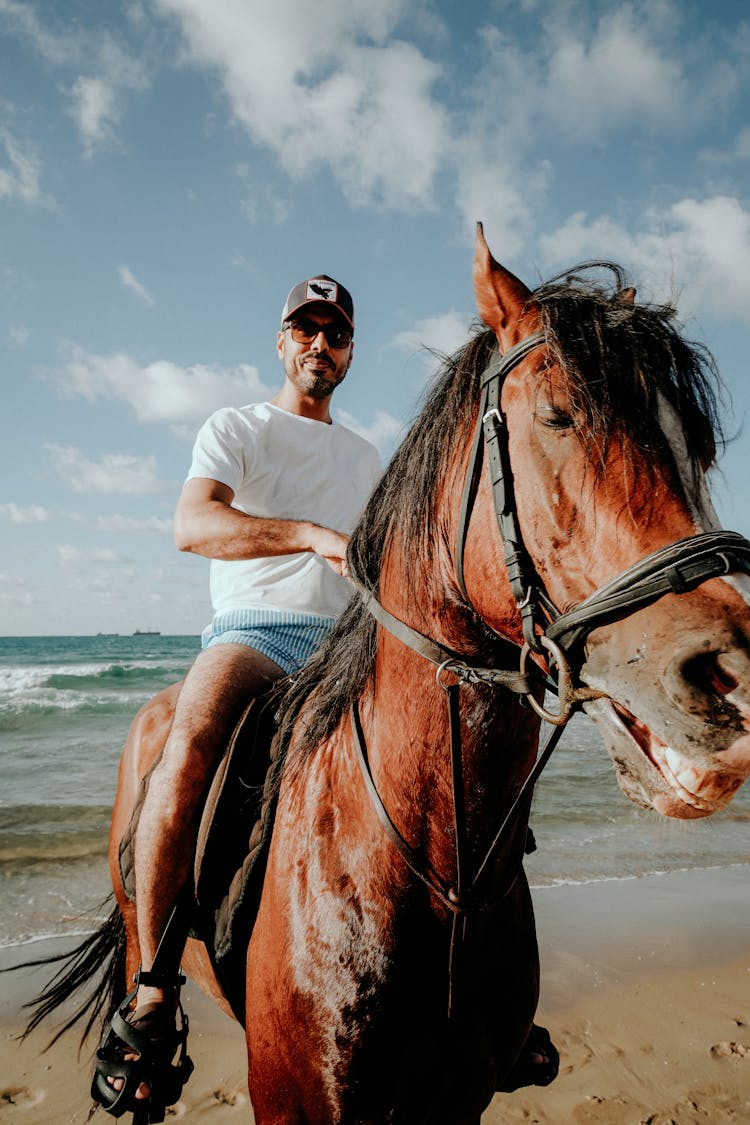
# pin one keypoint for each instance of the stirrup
(154, 1065)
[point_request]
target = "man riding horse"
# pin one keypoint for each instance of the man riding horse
(274, 490)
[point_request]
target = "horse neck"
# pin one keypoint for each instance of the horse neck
(408, 728)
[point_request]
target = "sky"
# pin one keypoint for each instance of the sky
(170, 168)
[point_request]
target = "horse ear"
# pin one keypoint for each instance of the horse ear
(627, 296)
(501, 297)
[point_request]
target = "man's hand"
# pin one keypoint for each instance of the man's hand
(331, 546)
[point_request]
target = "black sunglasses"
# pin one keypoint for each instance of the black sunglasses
(305, 331)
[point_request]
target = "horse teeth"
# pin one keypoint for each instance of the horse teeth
(685, 774)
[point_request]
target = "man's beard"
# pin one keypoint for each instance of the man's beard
(318, 384)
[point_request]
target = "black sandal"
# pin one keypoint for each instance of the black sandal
(151, 1033)
(526, 1072)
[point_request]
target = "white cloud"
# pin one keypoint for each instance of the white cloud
(261, 200)
(183, 433)
(161, 391)
(442, 334)
(742, 145)
(130, 281)
(17, 514)
(94, 108)
(69, 554)
(595, 74)
(19, 335)
(620, 75)
(579, 237)
(116, 472)
(15, 598)
(23, 18)
(710, 240)
(327, 85)
(19, 178)
(383, 431)
(739, 151)
(704, 243)
(96, 99)
(12, 580)
(128, 525)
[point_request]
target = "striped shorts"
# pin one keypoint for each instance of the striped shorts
(289, 639)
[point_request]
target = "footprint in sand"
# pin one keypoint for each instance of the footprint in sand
(178, 1110)
(700, 1106)
(575, 1052)
(730, 1050)
(230, 1097)
(596, 1110)
(21, 1096)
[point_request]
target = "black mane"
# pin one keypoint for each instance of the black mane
(617, 356)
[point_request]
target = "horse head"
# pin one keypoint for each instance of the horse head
(610, 427)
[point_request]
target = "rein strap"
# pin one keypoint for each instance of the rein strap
(447, 660)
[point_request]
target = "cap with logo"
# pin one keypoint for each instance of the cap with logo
(322, 290)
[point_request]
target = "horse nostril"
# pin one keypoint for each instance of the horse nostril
(708, 685)
(709, 674)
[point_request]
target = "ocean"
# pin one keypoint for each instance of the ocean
(65, 707)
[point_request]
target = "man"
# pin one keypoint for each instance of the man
(274, 490)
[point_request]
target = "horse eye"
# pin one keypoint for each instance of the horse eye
(554, 417)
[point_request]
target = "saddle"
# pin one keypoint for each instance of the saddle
(232, 847)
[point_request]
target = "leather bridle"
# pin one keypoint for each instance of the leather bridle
(676, 568)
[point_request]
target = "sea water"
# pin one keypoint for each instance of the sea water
(65, 707)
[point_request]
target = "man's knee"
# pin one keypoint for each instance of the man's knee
(222, 682)
(225, 678)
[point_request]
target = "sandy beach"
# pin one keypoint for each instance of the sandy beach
(645, 988)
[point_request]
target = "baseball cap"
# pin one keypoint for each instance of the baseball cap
(320, 290)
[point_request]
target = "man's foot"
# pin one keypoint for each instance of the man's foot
(135, 1063)
(537, 1065)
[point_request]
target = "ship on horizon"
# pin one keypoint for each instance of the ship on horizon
(147, 633)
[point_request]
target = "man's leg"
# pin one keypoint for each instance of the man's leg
(217, 689)
(221, 683)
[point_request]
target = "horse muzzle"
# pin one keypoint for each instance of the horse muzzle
(677, 722)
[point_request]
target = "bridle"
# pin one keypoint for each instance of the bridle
(559, 637)
(676, 568)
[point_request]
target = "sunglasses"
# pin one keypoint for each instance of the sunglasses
(305, 331)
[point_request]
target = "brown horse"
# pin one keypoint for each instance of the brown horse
(392, 971)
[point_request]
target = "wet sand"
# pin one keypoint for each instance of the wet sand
(645, 988)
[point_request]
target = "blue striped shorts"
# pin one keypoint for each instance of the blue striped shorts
(289, 639)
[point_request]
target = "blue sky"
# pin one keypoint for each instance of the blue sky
(169, 168)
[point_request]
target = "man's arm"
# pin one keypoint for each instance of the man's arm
(206, 524)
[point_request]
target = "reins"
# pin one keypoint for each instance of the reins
(676, 568)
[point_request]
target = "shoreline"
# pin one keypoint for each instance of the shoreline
(596, 934)
(645, 990)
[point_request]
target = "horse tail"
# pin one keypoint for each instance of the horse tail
(99, 958)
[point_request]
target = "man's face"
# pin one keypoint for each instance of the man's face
(315, 362)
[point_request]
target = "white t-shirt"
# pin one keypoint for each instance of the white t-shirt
(282, 466)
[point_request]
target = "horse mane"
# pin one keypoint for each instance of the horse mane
(619, 357)
(616, 358)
